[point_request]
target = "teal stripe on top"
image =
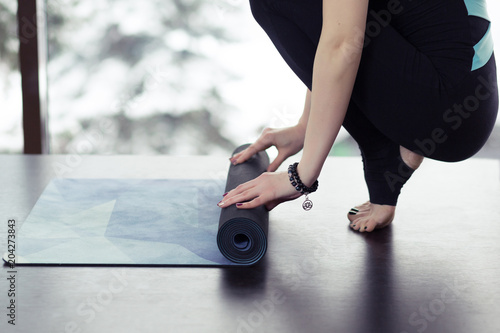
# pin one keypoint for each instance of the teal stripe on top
(484, 48)
(477, 8)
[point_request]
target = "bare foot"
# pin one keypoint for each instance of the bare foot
(368, 217)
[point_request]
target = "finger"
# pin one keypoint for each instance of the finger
(249, 152)
(243, 155)
(237, 155)
(262, 143)
(256, 202)
(276, 163)
(241, 188)
(238, 196)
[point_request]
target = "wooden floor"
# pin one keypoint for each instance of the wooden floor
(436, 269)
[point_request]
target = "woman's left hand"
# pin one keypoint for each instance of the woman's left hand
(270, 189)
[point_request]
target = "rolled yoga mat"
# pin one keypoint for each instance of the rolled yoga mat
(242, 236)
(152, 222)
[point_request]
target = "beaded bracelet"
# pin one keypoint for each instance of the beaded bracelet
(293, 175)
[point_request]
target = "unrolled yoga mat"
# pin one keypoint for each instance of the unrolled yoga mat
(144, 222)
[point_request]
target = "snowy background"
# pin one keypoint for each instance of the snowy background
(156, 77)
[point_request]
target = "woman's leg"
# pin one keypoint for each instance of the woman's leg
(403, 95)
(384, 168)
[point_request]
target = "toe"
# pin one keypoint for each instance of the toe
(370, 225)
(355, 225)
(352, 225)
(351, 215)
(364, 225)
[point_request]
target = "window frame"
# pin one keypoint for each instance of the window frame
(32, 35)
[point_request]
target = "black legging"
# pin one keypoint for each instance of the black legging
(415, 86)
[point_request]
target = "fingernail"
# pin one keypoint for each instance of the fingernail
(234, 161)
(239, 204)
(352, 213)
(225, 194)
(220, 204)
(355, 209)
(354, 226)
(366, 228)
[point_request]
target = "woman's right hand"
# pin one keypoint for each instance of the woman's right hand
(289, 141)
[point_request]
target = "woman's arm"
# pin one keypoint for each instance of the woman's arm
(335, 68)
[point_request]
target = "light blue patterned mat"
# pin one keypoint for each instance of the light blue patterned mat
(123, 222)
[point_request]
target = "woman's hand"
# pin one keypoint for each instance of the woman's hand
(270, 189)
(289, 141)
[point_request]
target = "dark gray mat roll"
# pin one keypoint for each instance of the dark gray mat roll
(242, 236)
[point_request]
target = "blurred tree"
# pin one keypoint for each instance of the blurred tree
(8, 36)
(150, 67)
(10, 90)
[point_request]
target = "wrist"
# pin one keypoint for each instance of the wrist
(307, 176)
(297, 182)
(299, 186)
